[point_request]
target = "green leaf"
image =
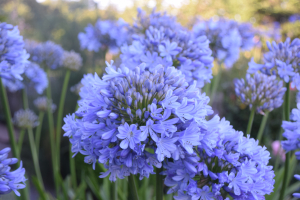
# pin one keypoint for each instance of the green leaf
(38, 186)
(80, 190)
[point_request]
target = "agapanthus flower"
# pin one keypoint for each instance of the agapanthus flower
(294, 18)
(224, 162)
(47, 53)
(41, 103)
(71, 60)
(25, 119)
(226, 38)
(282, 60)
(133, 120)
(34, 76)
(263, 92)
(106, 34)
(170, 46)
(13, 56)
(10, 180)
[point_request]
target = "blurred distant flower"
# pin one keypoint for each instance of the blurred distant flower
(71, 60)
(294, 18)
(106, 34)
(33, 76)
(42, 104)
(25, 119)
(282, 60)
(263, 92)
(168, 43)
(226, 38)
(278, 150)
(10, 180)
(13, 56)
(46, 53)
(76, 88)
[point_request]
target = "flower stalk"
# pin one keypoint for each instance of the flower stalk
(159, 184)
(132, 186)
(250, 122)
(262, 126)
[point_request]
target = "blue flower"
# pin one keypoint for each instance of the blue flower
(130, 136)
(13, 57)
(10, 180)
(168, 49)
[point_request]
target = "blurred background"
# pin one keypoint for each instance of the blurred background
(62, 20)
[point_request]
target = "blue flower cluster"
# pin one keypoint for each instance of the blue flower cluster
(224, 162)
(106, 34)
(33, 76)
(282, 60)
(13, 56)
(292, 135)
(46, 53)
(263, 92)
(10, 180)
(132, 120)
(163, 41)
(294, 18)
(226, 38)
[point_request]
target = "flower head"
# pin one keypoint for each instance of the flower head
(13, 57)
(72, 60)
(10, 180)
(25, 119)
(41, 103)
(263, 92)
(130, 119)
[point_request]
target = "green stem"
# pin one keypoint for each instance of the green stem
(35, 157)
(287, 156)
(60, 116)
(215, 84)
(25, 99)
(250, 122)
(159, 185)
(10, 128)
(132, 187)
(73, 169)
(21, 138)
(262, 126)
(51, 132)
(39, 130)
(113, 192)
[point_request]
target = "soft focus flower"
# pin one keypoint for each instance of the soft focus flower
(226, 38)
(263, 92)
(168, 43)
(13, 56)
(224, 162)
(10, 180)
(294, 18)
(282, 60)
(132, 120)
(41, 103)
(47, 53)
(25, 119)
(277, 150)
(33, 76)
(71, 60)
(76, 88)
(106, 34)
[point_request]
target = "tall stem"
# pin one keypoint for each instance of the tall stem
(132, 187)
(51, 132)
(216, 82)
(25, 99)
(113, 192)
(250, 122)
(262, 126)
(20, 141)
(38, 131)
(287, 156)
(35, 157)
(159, 184)
(60, 115)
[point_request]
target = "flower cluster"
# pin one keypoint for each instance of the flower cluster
(33, 76)
(13, 56)
(71, 60)
(25, 119)
(282, 60)
(263, 92)
(170, 46)
(46, 53)
(294, 18)
(106, 34)
(226, 38)
(41, 103)
(224, 162)
(132, 120)
(10, 180)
